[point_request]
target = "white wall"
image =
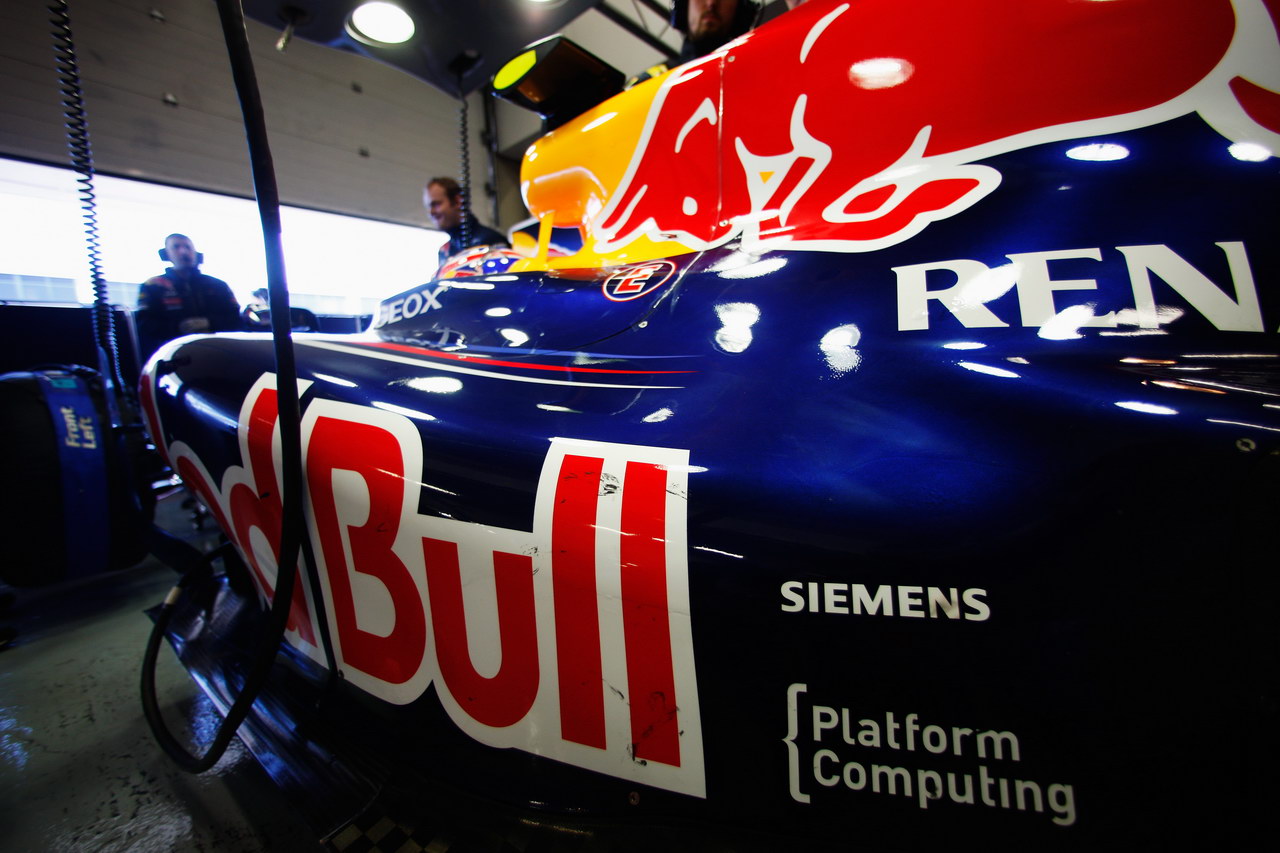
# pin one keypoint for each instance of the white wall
(364, 152)
(335, 264)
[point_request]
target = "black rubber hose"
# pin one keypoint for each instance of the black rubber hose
(104, 332)
(490, 136)
(150, 706)
(237, 41)
(464, 166)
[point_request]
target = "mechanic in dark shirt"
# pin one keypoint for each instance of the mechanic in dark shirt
(444, 202)
(256, 316)
(708, 24)
(183, 300)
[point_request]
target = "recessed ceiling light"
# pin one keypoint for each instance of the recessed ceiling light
(381, 23)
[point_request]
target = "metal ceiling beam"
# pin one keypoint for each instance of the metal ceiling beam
(629, 24)
(659, 9)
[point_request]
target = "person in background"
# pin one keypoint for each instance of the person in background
(708, 24)
(445, 204)
(182, 300)
(257, 315)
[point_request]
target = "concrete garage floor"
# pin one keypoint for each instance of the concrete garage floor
(79, 769)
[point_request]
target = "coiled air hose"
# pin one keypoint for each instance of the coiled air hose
(104, 332)
(264, 182)
(464, 165)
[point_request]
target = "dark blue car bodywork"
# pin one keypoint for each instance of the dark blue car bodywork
(957, 571)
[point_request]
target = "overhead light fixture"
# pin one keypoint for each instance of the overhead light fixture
(381, 24)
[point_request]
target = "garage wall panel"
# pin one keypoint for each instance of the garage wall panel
(348, 134)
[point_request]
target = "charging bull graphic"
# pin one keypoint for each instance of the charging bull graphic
(855, 124)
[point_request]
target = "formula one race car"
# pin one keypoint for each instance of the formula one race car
(893, 462)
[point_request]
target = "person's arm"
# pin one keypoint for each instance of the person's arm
(222, 307)
(150, 318)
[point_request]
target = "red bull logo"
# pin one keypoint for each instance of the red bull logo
(853, 126)
(571, 640)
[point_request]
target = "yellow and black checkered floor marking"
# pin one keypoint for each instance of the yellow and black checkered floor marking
(380, 834)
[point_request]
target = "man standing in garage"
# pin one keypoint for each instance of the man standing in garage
(446, 206)
(707, 24)
(182, 300)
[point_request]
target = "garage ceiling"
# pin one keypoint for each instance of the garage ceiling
(349, 134)
(457, 46)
